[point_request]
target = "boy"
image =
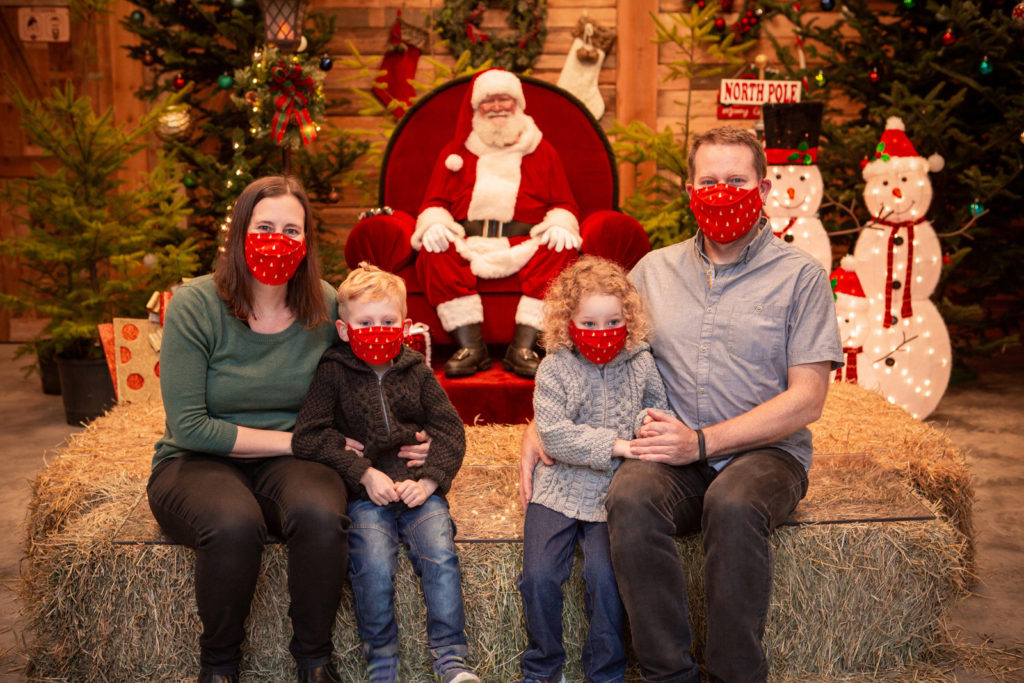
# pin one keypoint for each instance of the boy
(377, 393)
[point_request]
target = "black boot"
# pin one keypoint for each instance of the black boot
(325, 673)
(472, 355)
(520, 357)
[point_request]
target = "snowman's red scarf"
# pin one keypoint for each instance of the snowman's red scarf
(850, 368)
(906, 310)
(789, 225)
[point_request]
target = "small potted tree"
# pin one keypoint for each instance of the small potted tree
(98, 244)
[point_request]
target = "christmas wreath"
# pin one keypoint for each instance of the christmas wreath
(459, 21)
(284, 96)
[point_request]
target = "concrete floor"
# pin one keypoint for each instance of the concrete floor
(985, 417)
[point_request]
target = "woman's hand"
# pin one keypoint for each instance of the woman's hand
(416, 454)
(355, 446)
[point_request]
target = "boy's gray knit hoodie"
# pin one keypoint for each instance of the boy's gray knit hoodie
(580, 409)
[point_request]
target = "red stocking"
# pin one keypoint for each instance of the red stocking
(399, 65)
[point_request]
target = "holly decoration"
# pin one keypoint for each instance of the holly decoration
(459, 23)
(747, 19)
(288, 104)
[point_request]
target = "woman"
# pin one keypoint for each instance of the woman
(238, 353)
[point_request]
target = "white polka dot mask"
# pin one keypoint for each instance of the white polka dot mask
(598, 346)
(725, 213)
(375, 345)
(272, 257)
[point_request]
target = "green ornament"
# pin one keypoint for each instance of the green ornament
(190, 181)
(985, 68)
(977, 207)
(910, 4)
(136, 17)
(225, 81)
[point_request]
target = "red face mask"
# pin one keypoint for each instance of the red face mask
(598, 346)
(375, 345)
(725, 213)
(272, 257)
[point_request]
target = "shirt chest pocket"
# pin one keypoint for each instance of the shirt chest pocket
(757, 331)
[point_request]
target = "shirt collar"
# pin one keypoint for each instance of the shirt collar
(748, 252)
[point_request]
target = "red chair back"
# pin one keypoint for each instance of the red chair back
(566, 123)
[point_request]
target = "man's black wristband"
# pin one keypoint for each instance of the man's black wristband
(700, 446)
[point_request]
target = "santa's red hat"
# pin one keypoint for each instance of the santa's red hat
(846, 279)
(896, 154)
(486, 83)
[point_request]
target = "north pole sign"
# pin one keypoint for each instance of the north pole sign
(741, 98)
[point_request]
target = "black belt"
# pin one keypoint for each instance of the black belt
(491, 228)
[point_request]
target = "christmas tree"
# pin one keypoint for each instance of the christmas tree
(953, 71)
(201, 48)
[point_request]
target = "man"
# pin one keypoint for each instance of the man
(498, 204)
(745, 348)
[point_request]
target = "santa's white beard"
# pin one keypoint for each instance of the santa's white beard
(499, 130)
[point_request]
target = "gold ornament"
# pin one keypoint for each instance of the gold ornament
(175, 123)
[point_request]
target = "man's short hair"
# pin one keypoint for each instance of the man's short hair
(370, 283)
(728, 135)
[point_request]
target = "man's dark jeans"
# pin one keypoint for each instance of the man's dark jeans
(223, 508)
(649, 505)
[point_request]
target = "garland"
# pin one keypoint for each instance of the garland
(459, 21)
(284, 96)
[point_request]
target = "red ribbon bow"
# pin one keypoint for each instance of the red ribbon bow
(291, 102)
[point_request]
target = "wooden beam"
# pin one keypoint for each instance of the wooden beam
(637, 79)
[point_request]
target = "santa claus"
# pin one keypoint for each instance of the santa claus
(498, 204)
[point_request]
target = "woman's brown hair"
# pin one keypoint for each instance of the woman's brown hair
(234, 281)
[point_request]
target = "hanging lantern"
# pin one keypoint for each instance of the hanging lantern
(282, 21)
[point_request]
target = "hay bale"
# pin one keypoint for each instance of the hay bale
(848, 599)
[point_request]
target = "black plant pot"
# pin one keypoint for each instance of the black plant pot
(86, 388)
(48, 373)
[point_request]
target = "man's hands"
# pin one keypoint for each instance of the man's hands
(557, 238)
(664, 439)
(531, 453)
(436, 238)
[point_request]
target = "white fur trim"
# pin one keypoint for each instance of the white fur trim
(530, 312)
(895, 165)
(491, 257)
(848, 263)
(559, 217)
(936, 163)
(497, 82)
(498, 174)
(465, 310)
(453, 162)
(895, 123)
(431, 216)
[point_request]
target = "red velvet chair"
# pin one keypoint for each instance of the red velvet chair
(410, 157)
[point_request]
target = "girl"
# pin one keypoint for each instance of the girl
(590, 397)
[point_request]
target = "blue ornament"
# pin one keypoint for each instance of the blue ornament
(828, 5)
(326, 63)
(977, 207)
(985, 68)
(137, 17)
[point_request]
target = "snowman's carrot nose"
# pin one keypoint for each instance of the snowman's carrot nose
(897, 192)
(791, 192)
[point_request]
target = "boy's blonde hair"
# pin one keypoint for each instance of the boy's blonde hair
(590, 275)
(372, 284)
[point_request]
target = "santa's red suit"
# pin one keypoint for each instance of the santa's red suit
(472, 181)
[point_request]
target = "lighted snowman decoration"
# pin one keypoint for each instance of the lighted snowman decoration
(898, 261)
(791, 131)
(852, 313)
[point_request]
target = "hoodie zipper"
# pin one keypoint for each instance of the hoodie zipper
(383, 401)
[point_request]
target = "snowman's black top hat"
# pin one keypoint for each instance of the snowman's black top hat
(791, 131)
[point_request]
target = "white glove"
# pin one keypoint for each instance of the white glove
(436, 238)
(558, 238)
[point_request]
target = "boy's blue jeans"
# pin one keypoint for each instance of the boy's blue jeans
(549, 547)
(428, 533)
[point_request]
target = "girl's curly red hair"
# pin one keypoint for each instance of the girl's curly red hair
(590, 275)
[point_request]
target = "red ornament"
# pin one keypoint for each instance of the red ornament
(1018, 13)
(726, 5)
(874, 76)
(719, 24)
(179, 82)
(948, 38)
